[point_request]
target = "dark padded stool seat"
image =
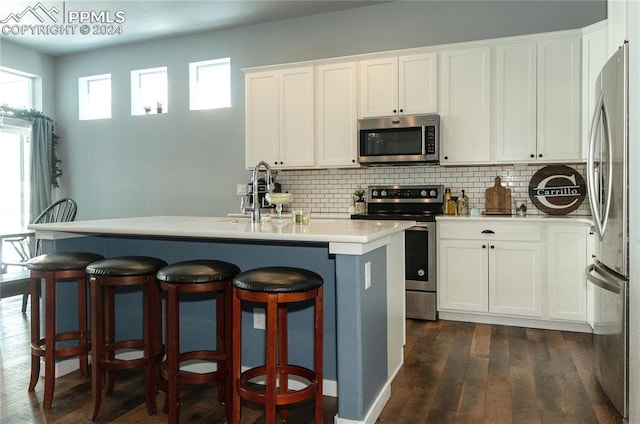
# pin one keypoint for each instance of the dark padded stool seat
(126, 266)
(197, 276)
(63, 261)
(277, 287)
(105, 276)
(278, 280)
(52, 268)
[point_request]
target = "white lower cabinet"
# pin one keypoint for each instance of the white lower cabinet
(566, 277)
(488, 273)
(513, 270)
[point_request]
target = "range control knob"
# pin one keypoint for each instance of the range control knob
(423, 193)
(421, 273)
(433, 193)
(374, 193)
(383, 193)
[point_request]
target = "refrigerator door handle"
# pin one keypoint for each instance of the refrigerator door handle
(601, 113)
(602, 283)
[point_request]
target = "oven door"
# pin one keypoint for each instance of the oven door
(420, 271)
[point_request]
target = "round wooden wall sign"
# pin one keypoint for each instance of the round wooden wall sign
(557, 189)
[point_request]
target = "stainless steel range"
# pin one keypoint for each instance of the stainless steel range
(421, 204)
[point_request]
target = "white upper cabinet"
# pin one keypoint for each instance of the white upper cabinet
(617, 24)
(280, 118)
(336, 115)
(465, 106)
(537, 101)
(516, 85)
(403, 85)
(559, 65)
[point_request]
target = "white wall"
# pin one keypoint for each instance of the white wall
(188, 163)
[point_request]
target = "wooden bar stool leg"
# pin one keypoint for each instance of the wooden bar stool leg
(271, 359)
(82, 325)
(220, 342)
(34, 292)
(283, 356)
(50, 335)
(236, 322)
(149, 330)
(97, 339)
(173, 347)
(319, 354)
(109, 335)
(227, 376)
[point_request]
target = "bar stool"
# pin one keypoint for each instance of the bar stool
(197, 276)
(276, 287)
(104, 277)
(53, 268)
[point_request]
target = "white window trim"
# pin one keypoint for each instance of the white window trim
(195, 91)
(136, 108)
(83, 97)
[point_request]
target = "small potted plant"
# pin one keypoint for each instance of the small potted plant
(359, 203)
(158, 107)
(147, 109)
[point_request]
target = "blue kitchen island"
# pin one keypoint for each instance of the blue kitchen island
(362, 263)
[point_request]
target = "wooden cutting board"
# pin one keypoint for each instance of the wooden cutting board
(498, 199)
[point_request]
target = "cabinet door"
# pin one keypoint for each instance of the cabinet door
(465, 106)
(378, 87)
(559, 63)
(515, 278)
(262, 140)
(417, 84)
(515, 105)
(336, 115)
(296, 118)
(462, 275)
(567, 281)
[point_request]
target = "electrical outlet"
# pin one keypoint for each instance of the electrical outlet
(241, 189)
(367, 275)
(259, 318)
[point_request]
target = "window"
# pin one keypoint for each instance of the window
(210, 84)
(15, 154)
(94, 97)
(149, 91)
(16, 89)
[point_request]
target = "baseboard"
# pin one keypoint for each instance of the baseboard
(374, 412)
(580, 327)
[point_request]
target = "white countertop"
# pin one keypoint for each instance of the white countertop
(319, 230)
(561, 219)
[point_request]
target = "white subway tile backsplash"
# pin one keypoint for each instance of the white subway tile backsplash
(330, 190)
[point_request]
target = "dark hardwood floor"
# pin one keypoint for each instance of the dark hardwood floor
(454, 373)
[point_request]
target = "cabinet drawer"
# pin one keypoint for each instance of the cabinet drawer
(483, 230)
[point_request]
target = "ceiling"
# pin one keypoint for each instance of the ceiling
(136, 20)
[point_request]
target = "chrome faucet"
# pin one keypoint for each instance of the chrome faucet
(254, 208)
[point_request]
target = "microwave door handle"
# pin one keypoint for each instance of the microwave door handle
(424, 140)
(594, 199)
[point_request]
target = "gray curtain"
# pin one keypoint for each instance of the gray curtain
(41, 148)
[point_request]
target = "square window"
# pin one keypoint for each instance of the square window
(210, 84)
(149, 91)
(16, 89)
(94, 97)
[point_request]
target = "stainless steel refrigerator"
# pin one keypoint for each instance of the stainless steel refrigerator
(607, 178)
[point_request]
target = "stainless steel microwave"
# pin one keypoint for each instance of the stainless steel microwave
(399, 139)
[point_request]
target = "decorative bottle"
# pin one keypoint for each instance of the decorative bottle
(463, 205)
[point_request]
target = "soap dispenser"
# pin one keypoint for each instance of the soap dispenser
(463, 205)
